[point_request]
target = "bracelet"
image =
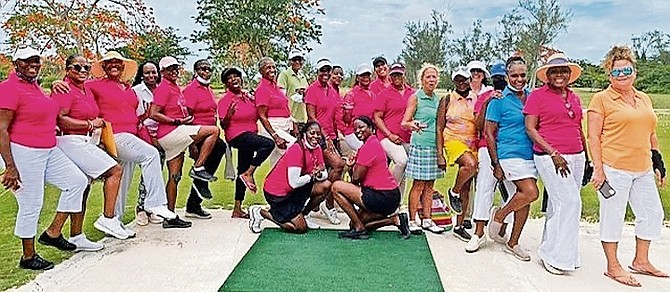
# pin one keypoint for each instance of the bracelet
(90, 125)
(274, 134)
(554, 153)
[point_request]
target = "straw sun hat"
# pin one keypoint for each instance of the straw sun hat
(559, 60)
(129, 68)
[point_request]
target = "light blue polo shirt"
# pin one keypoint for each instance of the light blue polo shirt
(512, 140)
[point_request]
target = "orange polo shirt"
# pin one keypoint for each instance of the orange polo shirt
(627, 130)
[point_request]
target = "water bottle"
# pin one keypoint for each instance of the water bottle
(95, 136)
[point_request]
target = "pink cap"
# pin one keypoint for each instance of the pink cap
(397, 68)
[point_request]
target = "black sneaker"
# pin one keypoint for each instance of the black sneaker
(198, 213)
(467, 224)
(404, 225)
(36, 263)
(353, 234)
(460, 233)
(202, 175)
(59, 242)
(176, 223)
(202, 191)
(455, 203)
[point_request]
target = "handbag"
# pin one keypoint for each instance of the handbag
(229, 171)
(440, 212)
(107, 140)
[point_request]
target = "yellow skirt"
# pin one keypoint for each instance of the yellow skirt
(455, 149)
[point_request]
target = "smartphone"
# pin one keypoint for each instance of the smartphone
(606, 190)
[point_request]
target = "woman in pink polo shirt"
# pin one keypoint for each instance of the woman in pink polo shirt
(322, 103)
(176, 132)
(239, 117)
(381, 71)
(272, 105)
(373, 189)
(360, 101)
(28, 148)
(299, 176)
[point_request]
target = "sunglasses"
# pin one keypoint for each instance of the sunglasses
(571, 112)
(558, 70)
(325, 69)
(173, 68)
(207, 69)
(625, 71)
(522, 75)
(80, 68)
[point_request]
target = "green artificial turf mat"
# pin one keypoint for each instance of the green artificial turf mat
(320, 261)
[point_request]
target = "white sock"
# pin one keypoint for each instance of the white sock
(199, 168)
(454, 194)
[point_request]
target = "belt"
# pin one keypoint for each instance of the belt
(59, 133)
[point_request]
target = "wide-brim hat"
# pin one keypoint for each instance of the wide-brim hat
(559, 60)
(129, 66)
(478, 65)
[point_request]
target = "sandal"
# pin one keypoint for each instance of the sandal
(627, 280)
(657, 273)
(249, 185)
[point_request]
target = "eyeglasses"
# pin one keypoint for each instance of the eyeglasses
(173, 68)
(626, 71)
(571, 112)
(204, 68)
(80, 68)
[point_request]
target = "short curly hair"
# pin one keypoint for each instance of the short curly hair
(618, 53)
(422, 72)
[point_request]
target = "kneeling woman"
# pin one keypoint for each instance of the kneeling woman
(300, 175)
(373, 188)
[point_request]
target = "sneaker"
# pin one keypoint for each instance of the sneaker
(331, 214)
(202, 191)
(461, 233)
(111, 227)
(58, 242)
(404, 225)
(495, 227)
(36, 263)
(428, 224)
(162, 211)
(255, 219)
(155, 219)
(551, 269)
(142, 218)
(455, 203)
(311, 224)
(198, 214)
(176, 223)
(415, 228)
(202, 175)
(353, 234)
(467, 224)
(518, 252)
(475, 243)
(83, 244)
(131, 233)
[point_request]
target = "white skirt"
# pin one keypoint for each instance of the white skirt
(518, 169)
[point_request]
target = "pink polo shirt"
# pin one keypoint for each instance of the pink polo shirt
(377, 85)
(117, 102)
(245, 117)
(168, 96)
(307, 159)
(393, 104)
(481, 142)
(372, 156)
(268, 94)
(34, 122)
(364, 102)
(80, 105)
(326, 101)
(554, 123)
(200, 99)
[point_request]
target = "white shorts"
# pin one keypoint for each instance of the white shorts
(92, 160)
(518, 169)
(177, 141)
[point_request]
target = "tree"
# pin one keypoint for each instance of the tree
(242, 31)
(651, 45)
(156, 44)
(425, 42)
(474, 45)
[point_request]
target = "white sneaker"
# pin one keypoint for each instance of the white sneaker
(310, 223)
(162, 211)
(551, 269)
(110, 226)
(475, 243)
(331, 214)
(131, 233)
(518, 252)
(415, 228)
(255, 219)
(428, 224)
(141, 218)
(83, 244)
(155, 219)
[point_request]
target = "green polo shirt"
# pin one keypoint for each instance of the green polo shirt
(291, 81)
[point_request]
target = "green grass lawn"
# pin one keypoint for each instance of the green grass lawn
(10, 248)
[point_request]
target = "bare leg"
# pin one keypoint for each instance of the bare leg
(415, 196)
(335, 165)
(427, 199)
(465, 201)
(174, 175)
(28, 247)
(346, 195)
(208, 135)
(77, 219)
(641, 261)
(56, 226)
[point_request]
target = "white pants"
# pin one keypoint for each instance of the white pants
(397, 154)
(353, 142)
(177, 141)
(39, 166)
(281, 126)
(90, 159)
(638, 189)
(485, 189)
(133, 150)
(560, 238)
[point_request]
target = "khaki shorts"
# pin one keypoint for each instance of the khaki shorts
(176, 142)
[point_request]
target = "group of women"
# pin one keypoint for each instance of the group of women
(378, 133)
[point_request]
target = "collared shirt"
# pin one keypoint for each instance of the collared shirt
(80, 105)
(481, 140)
(297, 155)
(291, 82)
(512, 141)
(626, 135)
(393, 105)
(554, 122)
(326, 101)
(245, 117)
(426, 113)
(117, 103)
(378, 85)
(460, 119)
(372, 156)
(34, 121)
(200, 99)
(168, 96)
(364, 102)
(145, 97)
(268, 94)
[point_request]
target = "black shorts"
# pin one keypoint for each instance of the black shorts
(383, 202)
(284, 208)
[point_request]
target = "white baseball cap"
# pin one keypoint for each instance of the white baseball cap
(167, 62)
(25, 53)
(460, 70)
(295, 53)
(363, 68)
(323, 63)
